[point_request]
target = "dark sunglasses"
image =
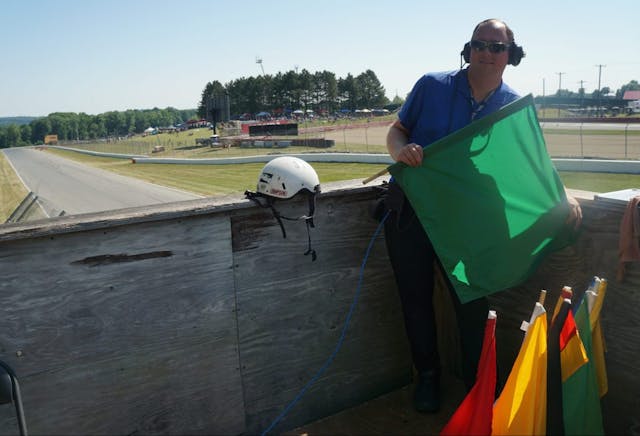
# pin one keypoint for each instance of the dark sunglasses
(494, 47)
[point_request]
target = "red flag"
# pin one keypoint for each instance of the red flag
(474, 415)
(568, 331)
(572, 352)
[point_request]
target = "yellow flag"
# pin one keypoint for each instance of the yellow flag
(522, 405)
(595, 306)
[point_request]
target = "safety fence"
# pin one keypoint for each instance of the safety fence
(582, 140)
(586, 140)
(575, 140)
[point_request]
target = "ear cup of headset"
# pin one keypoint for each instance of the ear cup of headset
(516, 53)
(466, 52)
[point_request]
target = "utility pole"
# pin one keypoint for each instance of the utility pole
(560, 82)
(581, 92)
(543, 98)
(559, 88)
(599, 90)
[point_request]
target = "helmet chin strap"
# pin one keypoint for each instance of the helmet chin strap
(269, 202)
(310, 250)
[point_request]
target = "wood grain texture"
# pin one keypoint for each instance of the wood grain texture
(291, 312)
(593, 253)
(145, 346)
(200, 317)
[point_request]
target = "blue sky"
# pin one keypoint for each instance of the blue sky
(95, 56)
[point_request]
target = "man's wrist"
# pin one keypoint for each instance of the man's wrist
(395, 153)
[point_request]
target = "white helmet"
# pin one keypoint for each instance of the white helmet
(284, 177)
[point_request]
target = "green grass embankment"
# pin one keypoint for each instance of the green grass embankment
(209, 180)
(12, 191)
(226, 179)
(214, 179)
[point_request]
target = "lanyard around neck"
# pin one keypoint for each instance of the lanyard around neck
(476, 108)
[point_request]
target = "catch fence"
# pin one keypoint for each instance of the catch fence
(566, 140)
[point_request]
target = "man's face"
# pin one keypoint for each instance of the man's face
(484, 60)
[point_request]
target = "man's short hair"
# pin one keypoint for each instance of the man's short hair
(495, 20)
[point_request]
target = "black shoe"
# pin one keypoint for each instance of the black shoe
(426, 398)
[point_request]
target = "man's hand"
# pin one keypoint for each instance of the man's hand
(399, 147)
(575, 212)
(410, 154)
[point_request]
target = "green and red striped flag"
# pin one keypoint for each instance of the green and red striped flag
(490, 200)
(580, 395)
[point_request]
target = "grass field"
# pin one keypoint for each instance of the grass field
(368, 139)
(225, 179)
(12, 191)
(362, 136)
(211, 180)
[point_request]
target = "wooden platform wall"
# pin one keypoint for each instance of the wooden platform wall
(199, 318)
(196, 318)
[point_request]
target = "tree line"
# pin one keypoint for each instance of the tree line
(321, 92)
(71, 126)
(605, 92)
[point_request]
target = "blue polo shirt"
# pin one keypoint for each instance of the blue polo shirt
(441, 103)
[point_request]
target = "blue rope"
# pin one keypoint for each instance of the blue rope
(342, 335)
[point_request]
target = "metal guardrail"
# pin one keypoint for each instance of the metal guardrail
(23, 208)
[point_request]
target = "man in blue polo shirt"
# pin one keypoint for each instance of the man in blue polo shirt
(439, 104)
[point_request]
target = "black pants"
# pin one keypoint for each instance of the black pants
(412, 259)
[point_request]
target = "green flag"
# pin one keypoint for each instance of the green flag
(490, 200)
(580, 395)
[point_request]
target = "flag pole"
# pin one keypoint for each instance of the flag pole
(375, 176)
(543, 295)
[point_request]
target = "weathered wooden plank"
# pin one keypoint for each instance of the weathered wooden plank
(123, 330)
(291, 312)
(156, 212)
(110, 219)
(125, 321)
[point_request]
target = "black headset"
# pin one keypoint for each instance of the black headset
(516, 53)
